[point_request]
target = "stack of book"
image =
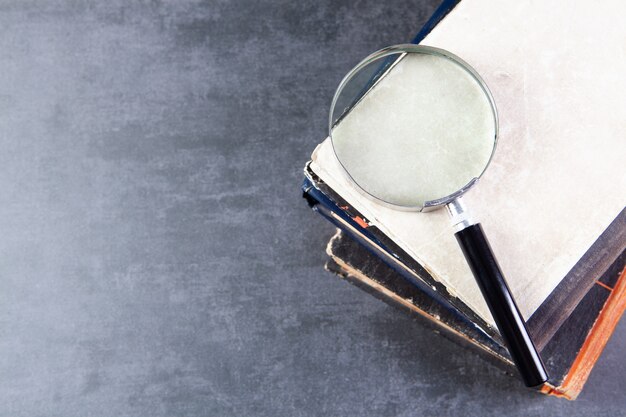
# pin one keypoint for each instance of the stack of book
(552, 201)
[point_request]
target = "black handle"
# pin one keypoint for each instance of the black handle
(502, 305)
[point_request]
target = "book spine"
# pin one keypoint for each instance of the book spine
(486, 349)
(594, 343)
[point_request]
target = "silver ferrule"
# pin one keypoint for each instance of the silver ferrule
(459, 214)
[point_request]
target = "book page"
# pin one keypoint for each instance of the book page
(557, 179)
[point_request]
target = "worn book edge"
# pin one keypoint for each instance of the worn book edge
(579, 367)
(594, 344)
(353, 274)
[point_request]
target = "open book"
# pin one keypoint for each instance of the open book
(552, 201)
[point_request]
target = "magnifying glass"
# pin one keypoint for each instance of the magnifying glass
(415, 127)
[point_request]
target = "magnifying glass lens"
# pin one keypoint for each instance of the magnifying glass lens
(413, 125)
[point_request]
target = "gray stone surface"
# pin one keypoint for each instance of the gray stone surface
(156, 257)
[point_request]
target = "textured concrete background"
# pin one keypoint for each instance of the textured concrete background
(156, 257)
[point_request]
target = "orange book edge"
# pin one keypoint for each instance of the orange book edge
(594, 343)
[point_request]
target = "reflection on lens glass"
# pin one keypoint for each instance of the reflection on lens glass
(422, 132)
